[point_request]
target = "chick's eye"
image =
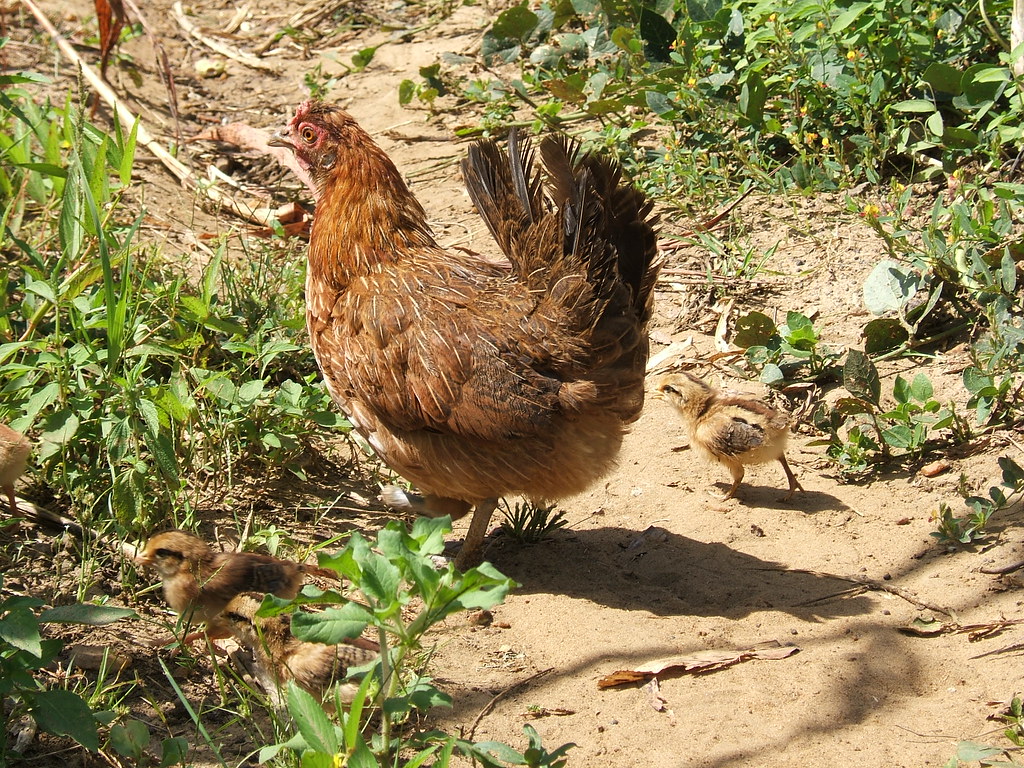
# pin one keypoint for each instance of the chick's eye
(308, 135)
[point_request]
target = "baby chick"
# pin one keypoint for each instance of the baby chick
(280, 656)
(199, 583)
(14, 451)
(732, 430)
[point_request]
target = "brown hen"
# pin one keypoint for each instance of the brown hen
(731, 430)
(470, 378)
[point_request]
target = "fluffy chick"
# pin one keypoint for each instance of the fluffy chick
(14, 451)
(199, 583)
(280, 656)
(731, 430)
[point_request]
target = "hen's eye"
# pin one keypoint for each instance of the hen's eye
(308, 135)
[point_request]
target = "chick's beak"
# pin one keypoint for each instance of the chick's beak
(279, 139)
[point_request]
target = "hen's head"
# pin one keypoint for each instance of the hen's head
(317, 135)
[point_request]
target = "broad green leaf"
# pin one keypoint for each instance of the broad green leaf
(381, 580)
(943, 78)
(883, 334)
(848, 17)
(130, 739)
(173, 751)
(921, 388)
(1013, 474)
(80, 613)
(754, 329)
(20, 628)
(314, 725)
(975, 381)
(889, 287)
(331, 626)
(515, 23)
(914, 105)
(64, 713)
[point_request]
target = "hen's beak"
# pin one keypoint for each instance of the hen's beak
(278, 139)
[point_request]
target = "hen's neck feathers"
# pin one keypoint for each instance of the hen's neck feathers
(366, 215)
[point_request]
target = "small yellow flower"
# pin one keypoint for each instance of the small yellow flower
(825, 143)
(809, 138)
(691, 82)
(899, 188)
(852, 55)
(940, 34)
(821, 25)
(803, 111)
(772, 17)
(870, 211)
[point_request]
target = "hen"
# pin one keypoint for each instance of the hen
(198, 582)
(731, 430)
(470, 378)
(14, 451)
(279, 656)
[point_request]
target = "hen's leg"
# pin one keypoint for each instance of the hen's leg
(794, 484)
(471, 553)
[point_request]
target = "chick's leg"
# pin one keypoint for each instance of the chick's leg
(794, 484)
(736, 470)
(427, 505)
(10, 498)
(471, 553)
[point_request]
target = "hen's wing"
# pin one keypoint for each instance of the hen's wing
(441, 348)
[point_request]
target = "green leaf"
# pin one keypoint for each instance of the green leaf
(772, 375)
(943, 78)
(860, 377)
(173, 751)
(883, 334)
(313, 723)
(332, 625)
(20, 628)
(899, 436)
(381, 580)
(80, 613)
(970, 752)
(901, 390)
(889, 287)
(975, 381)
(130, 739)
(64, 713)
(847, 17)
(1013, 475)
(515, 23)
(921, 388)
(753, 96)
(754, 329)
(914, 105)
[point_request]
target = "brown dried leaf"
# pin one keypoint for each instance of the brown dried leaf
(654, 697)
(697, 663)
(110, 16)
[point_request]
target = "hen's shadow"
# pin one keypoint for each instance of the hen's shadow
(668, 575)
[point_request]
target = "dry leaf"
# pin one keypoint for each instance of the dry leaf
(697, 663)
(654, 697)
(535, 713)
(934, 469)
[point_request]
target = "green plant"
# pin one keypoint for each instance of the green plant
(910, 428)
(780, 352)
(970, 527)
(528, 523)
(972, 752)
(403, 596)
(427, 91)
(23, 651)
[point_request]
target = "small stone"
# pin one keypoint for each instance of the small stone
(210, 68)
(481, 619)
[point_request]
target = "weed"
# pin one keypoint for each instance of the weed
(528, 523)
(970, 527)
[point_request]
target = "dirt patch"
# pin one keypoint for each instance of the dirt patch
(651, 566)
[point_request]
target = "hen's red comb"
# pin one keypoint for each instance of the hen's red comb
(303, 111)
